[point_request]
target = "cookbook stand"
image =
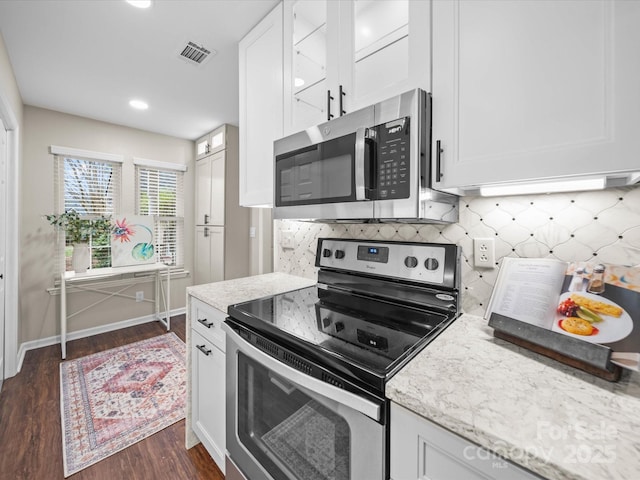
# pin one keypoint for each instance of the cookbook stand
(589, 357)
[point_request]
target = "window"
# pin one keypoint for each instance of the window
(160, 193)
(91, 187)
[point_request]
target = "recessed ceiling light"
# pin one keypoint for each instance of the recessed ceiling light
(140, 3)
(138, 104)
(298, 82)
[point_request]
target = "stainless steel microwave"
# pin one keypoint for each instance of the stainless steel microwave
(371, 164)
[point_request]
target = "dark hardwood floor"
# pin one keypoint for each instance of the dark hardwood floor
(31, 436)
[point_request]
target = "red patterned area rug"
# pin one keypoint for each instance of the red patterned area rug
(113, 399)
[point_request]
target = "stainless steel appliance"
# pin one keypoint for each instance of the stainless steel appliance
(306, 370)
(371, 164)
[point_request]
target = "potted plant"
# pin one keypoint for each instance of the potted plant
(78, 231)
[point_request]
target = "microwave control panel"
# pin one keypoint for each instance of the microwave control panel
(392, 159)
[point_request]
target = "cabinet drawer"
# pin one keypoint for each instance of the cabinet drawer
(207, 321)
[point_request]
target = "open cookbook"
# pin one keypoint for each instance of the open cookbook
(598, 303)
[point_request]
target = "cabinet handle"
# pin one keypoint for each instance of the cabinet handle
(342, 94)
(206, 232)
(439, 151)
(204, 322)
(204, 349)
(329, 98)
(206, 218)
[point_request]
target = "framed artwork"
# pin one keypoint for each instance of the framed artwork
(132, 241)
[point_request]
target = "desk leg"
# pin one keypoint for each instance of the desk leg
(157, 296)
(63, 316)
(167, 299)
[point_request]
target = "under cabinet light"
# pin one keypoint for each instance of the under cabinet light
(543, 187)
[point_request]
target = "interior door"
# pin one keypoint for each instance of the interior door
(3, 230)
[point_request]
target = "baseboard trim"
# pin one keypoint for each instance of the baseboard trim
(88, 332)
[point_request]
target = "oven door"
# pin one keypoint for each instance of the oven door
(285, 425)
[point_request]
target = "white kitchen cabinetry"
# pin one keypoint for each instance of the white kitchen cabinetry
(208, 378)
(212, 142)
(422, 450)
(529, 90)
(210, 189)
(260, 61)
(209, 255)
(222, 226)
(342, 56)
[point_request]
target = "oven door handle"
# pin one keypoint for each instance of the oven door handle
(292, 375)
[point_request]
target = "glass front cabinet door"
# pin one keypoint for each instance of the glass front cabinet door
(342, 56)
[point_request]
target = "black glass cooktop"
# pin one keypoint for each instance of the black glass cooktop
(367, 338)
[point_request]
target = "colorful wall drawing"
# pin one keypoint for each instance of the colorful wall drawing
(132, 241)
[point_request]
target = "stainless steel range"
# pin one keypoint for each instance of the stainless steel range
(307, 369)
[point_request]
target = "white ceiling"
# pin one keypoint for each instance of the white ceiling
(90, 57)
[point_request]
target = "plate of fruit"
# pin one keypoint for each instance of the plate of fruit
(592, 318)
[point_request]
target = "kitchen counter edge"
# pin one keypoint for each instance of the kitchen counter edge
(229, 292)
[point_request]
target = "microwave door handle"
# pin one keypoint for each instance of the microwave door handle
(359, 164)
(294, 377)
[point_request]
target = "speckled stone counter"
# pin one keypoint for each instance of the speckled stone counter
(222, 294)
(550, 418)
(229, 292)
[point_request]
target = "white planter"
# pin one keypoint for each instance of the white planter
(80, 257)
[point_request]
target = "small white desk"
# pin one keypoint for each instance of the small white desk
(78, 279)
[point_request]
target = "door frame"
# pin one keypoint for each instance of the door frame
(12, 217)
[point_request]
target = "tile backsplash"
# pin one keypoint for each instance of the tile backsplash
(599, 226)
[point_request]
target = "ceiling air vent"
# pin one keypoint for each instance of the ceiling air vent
(195, 53)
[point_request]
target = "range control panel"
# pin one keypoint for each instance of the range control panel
(424, 262)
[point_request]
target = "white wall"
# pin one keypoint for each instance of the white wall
(43, 128)
(8, 84)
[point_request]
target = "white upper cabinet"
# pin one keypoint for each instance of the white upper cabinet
(260, 61)
(212, 142)
(210, 190)
(340, 56)
(531, 91)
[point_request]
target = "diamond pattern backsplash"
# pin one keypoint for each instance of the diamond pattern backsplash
(581, 226)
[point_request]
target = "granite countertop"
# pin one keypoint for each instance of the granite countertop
(550, 418)
(229, 292)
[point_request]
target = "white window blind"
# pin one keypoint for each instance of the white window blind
(92, 188)
(160, 193)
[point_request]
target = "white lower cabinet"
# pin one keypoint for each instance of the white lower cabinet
(208, 378)
(210, 259)
(422, 450)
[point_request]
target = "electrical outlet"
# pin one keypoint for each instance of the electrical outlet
(484, 252)
(140, 296)
(287, 239)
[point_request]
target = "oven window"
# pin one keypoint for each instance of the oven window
(319, 174)
(292, 435)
